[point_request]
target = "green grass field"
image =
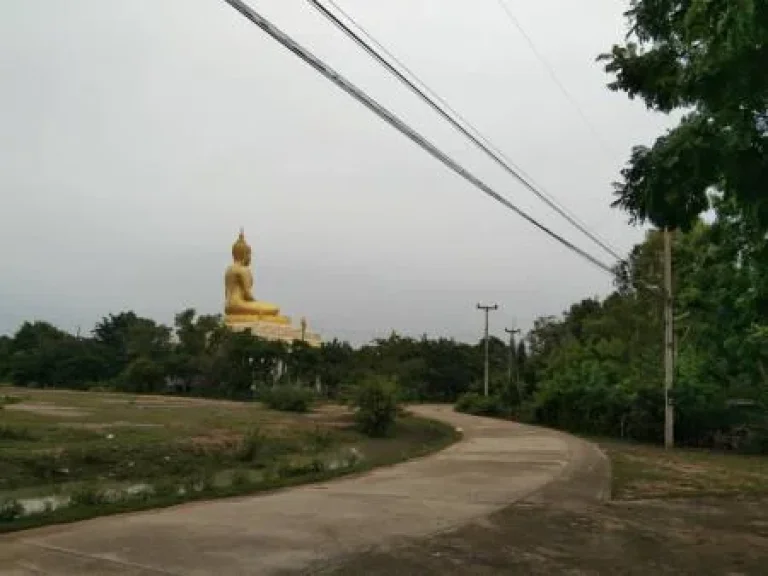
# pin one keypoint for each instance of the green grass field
(98, 453)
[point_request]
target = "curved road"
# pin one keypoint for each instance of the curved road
(496, 464)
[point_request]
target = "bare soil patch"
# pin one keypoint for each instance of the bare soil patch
(221, 438)
(46, 409)
(108, 425)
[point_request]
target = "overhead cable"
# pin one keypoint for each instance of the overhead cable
(553, 75)
(451, 115)
(389, 117)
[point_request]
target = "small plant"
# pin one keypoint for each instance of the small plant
(10, 510)
(477, 405)
(288, 469)
(165, 488)
(88, 496)
(287, 398)
(354, 457)
(251, 446)
(320, 439)
(6, 400)
(201, 481)
(376, 402)
(240, 478)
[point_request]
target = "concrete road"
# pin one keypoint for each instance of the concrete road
(299, 529)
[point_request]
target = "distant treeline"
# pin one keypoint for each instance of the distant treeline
(596, 370)
(200, 356)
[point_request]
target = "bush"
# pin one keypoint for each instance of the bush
(7, 399)
(525, 412)
(251, 446)
(87, 496)
(320, 439)
(479, 405)
(376, 402)
(240, 478)
(202, 480)
(143, 375)
(10, 510)
(289, 398)
(288, 469)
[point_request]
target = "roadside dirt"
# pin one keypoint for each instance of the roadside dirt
(565, 530)
(659, 537)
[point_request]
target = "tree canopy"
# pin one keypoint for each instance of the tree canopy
(707, 59)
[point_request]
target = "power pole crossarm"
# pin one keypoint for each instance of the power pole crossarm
(486, 309)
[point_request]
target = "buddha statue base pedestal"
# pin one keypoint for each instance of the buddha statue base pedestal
(272, 330)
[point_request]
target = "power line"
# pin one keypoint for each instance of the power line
(389, 117)
(469, 131)
(553, 75)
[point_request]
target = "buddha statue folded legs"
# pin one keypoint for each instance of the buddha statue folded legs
(254, 312)
(253, 308)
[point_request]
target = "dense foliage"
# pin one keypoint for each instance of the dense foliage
(708, 61)
(289, 398)
(200, 356)
(598, 369)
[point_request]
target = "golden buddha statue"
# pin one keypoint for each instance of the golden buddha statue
(240, 306)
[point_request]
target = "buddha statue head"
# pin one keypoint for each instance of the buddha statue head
(241, 252)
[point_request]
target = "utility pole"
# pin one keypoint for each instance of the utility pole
(669, 344)
(486, 309)
(513, 359)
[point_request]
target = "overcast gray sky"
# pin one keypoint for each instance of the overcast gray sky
(137, 137)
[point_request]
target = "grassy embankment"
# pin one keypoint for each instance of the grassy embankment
(71, 455)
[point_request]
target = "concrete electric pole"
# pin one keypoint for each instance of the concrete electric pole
(486, 309)
(669, 344)
(513, 361)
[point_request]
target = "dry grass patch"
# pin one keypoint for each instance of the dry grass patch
(646, 472)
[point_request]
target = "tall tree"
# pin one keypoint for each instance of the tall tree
(709, 59)
(5, 355)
